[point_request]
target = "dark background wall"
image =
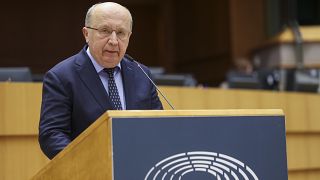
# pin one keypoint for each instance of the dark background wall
(183, 36)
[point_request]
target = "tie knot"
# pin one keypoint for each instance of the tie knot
(109, 70)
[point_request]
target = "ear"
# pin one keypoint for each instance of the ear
(129, 35)
(85, 34)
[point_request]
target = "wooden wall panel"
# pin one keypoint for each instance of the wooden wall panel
(300, 108)
(182, 36)
(247, 26)
(40, 34)
(202, 40)
(20, 105)
(20, 157)
(304, 175)
(303, 151)
(20, 154)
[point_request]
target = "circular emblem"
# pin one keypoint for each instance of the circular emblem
(220, 166)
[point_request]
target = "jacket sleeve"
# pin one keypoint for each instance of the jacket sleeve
(55, 117)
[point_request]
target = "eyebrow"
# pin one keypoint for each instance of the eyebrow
(121, 26)
(116, 29)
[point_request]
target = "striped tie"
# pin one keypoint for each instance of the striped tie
(112, 89)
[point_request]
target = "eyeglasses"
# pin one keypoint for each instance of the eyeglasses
(107, 31)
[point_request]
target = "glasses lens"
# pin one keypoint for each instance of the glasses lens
(105, 32)
(122, 35)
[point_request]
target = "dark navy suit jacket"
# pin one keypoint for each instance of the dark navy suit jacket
(74, 97)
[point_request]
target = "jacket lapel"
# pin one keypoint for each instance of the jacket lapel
(91, 79)
(128, 77)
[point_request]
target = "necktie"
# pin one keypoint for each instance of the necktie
(113, 90)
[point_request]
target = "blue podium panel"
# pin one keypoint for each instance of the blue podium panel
(201, 148)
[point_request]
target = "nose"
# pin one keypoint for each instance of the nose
(113, 40)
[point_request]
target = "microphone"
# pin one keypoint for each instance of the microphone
(164, 97)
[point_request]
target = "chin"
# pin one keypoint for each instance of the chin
(110, 63)
(112, 58)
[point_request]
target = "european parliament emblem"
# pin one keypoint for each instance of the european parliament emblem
(197, 163)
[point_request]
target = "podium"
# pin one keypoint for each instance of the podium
(176, 145)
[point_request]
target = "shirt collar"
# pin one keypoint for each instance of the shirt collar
(97, 66)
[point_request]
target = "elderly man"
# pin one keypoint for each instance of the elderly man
(81, 88)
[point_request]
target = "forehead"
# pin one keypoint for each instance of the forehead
(114, 16)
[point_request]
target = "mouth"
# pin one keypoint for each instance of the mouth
(110, 53)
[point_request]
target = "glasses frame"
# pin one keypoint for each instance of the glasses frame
(100, 31)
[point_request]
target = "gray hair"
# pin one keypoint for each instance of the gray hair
(91, 9)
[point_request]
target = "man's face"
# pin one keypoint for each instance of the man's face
(109, 40)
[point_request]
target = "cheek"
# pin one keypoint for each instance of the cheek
(123, 47)
(97, 46)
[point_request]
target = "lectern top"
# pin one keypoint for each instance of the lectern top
(229, 112)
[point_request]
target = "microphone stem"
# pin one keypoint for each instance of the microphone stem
(155, 86)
